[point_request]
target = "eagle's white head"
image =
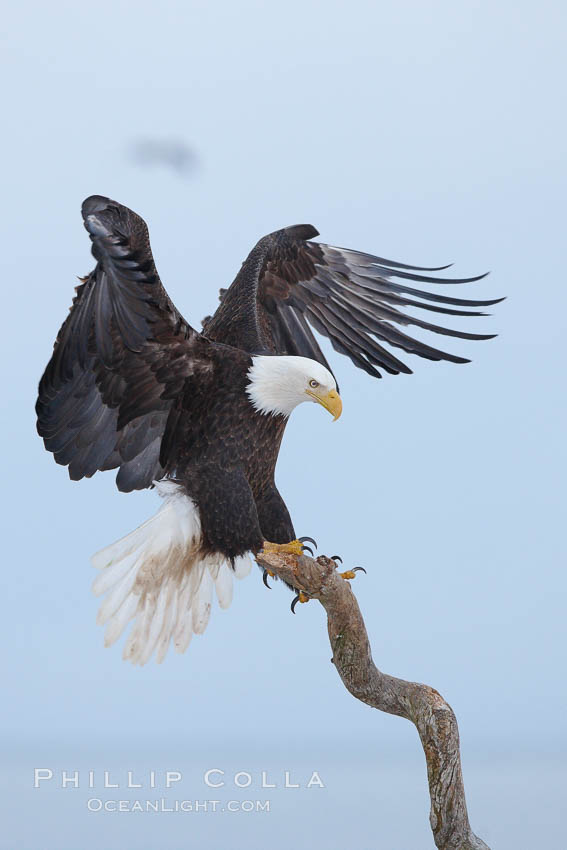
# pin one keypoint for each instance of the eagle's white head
(279, 383)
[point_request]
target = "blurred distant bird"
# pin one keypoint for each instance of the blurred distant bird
(172, 153)
(132, 385)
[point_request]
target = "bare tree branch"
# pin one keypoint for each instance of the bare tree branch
(424, 706)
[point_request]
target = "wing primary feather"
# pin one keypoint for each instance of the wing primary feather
(356, 333)
(383, 261)
(338, 341)
(404, 319)
(386, 288)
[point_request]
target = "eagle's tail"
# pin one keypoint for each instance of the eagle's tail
(158, 577)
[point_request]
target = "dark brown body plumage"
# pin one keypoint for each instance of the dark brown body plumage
(225, 453)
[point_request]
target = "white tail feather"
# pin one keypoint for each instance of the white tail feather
(158, 576)
(223, 585)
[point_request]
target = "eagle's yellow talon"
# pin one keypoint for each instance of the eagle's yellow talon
(301, 597)
(294, 547)
(348, 574)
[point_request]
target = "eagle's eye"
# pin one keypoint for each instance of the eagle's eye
(313, 383)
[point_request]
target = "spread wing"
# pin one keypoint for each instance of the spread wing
(120, 359)
(289, 286)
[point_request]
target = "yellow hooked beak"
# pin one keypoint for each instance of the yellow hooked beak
(331, 401)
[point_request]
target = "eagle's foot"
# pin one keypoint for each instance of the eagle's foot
(265, 575)
(294, 547)
(301, 597)
(350, 574)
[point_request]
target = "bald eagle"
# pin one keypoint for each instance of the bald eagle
(131, 385)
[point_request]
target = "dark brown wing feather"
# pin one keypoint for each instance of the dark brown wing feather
(120, 358)
(289, 285)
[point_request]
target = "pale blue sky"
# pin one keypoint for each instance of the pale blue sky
(427, 133)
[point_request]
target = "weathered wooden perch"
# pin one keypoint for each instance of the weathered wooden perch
(423, 705)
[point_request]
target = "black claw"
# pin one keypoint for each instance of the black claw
(359, 570)
(307, 549)
(336, 558)
(265, 579)
(309, 540)
(294, 602)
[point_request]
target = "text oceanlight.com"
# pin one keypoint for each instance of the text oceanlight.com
(95, 804)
